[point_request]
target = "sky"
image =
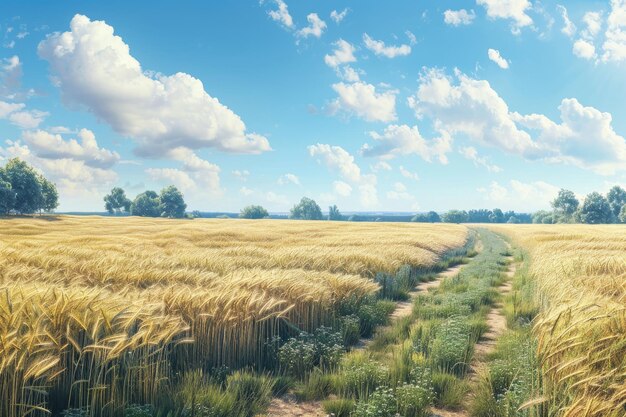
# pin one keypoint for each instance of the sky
(401, 106)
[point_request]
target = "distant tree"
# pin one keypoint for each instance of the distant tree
(354, 218)
(116, 201)
(455, 216)
(479, 216)
(253, 212)
(7, 196)
(306, 209)
(596, 210)
(430, 217)
(496, 216)
(26, 185)
(334, 214)
(513, 219)
(565, 205)
(542, 217)
(146, 204)
(616, 198)
(172, 204)
(49, 195)
(196, 214)
(622, 214)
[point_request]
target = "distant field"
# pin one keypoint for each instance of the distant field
(101, 309)
(579, 273)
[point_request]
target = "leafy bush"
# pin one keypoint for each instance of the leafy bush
(372, 315)
(299, 355)
(382, 403)
(361, 377)
(136, 410)
(452, 348)
(414, 399)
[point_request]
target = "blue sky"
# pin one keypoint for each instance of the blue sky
(373, 106)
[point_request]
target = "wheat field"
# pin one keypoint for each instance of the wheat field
(580, 276)
(98, 312)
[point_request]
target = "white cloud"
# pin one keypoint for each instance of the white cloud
(411, 36)
(614, 46)
(316, 27)
(349, 74)
(76, 181)
(277, 199)
(584, 49)
(241, 175)
(593, 25)
(10, 75)
(399, 192)
(94, 68)
(585, 136)
(172, 176)
(495, 56)
(53, 146)
(380, 166)
(342, 189)
(338, 16)
(469, 152)
(362, 100)
(514, 10)
(397, 140)
(520, 196)
(368, 191)
(379, 48)
(459, 17)
(204, 174)
(569, 28)
(336, 158)
(17, 115)
(408, 174)
(246, 191)
(281, 15)
(289, 178)
(342, 54)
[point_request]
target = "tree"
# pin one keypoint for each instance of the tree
(334, 214)
(542, 217)
(565, 204)
(7, 196)
(622, 214)
(146, 204)
(479, 216)
(455, 216)
(253, 212)
(430, 217)
(513, 219)
(172, 204)
(496, 216)
(25, 184)
(596, 210)
(306, 209)
(117, 201)
(616, 198)
(49, 194)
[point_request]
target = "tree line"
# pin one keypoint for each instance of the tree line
(23, 190)
(595, 208)
(168, 203)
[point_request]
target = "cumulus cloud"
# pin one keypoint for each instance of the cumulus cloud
(584, 49)
(316, 27)
(289, 179)
(519, 195)
(569, 28)
(380, 166)
(10, 75)
(389, 51)
(173, 176)
(338, 16)
(94, 68)
(53, 146)
(397, 140)
(584, 137)
(336, 158)
(281, 15)
(342, 54)
(614, 46)
(593, 25)
(469, 152)
(495, 56)
(342, 189)
(408, 174)
(362, 99)
(459, 17)
(241, 174)
(514, 10)
(203, 174)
